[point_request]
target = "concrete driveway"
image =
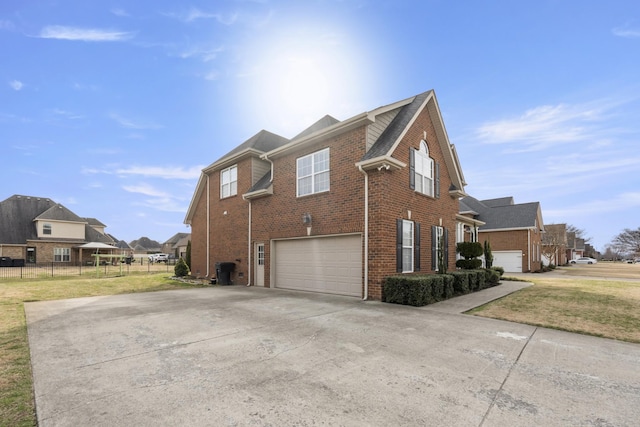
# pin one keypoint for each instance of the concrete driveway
(236, 356)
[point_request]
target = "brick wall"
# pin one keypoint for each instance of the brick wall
(512, 240)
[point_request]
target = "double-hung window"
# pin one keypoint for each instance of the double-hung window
(407, 246)
(46, 228)
(229, 182)
(424, 170)
(61, 254)
(312, 173)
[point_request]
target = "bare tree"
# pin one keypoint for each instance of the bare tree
(627, 242)
(580, 233)
(554, 241)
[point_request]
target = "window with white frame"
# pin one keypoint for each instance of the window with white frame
(407, 246)
(439, 245)
(312, 173)
(61, 254)
(46, 228)
(229, 182)
(424, 170)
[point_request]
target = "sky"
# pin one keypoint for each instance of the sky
(112, 108)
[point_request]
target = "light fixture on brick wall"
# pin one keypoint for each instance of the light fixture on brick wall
(306, 219)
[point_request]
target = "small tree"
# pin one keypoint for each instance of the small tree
(470, 251)
(442, 264)
(187, 255)
(181, 268)
(488, 256)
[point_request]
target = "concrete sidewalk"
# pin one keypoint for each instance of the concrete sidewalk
(237, 356)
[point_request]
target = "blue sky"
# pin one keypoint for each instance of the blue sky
(112, 108)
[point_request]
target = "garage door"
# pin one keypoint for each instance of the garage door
(330, 265)
(511, 261)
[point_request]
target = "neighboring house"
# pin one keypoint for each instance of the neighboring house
(335, 209)
(177, 245)
(38, 229)
(514, 231)
(575, 246)
(554, 244)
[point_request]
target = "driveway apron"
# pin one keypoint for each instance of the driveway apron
(237, 356)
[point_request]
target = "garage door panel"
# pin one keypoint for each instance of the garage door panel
(327, 264)
(511, 261)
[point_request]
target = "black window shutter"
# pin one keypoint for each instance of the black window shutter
(412, 168)
(416, 248)
(434, 247)
(446, 247)
(437, 180)
(399, 246)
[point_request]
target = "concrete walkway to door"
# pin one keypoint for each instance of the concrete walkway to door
(237, 356)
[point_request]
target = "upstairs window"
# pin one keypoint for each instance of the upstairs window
(229, 182)
(424, 170)
(312, 173)
(46, 228)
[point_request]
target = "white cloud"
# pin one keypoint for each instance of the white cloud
(128, 123)
(16, 85)
(161, 172)
(61, 32)
(626, 31)
(145, 189)
(618, 203)
(195, 14)
(550, 125)
(67, 114)
(205, 54)
(120, 12)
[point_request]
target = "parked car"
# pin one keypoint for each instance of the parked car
(583, 260)
(159, 258)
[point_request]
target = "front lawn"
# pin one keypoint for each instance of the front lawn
(604, 308)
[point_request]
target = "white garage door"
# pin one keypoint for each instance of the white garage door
(330, 265)
(511, 261)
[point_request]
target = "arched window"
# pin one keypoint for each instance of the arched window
(424, 170)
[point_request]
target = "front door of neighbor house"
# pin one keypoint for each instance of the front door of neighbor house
(259, 270)
(31, 255)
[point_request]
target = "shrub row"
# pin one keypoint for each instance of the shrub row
(419, 290)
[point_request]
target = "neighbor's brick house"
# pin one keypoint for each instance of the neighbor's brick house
(514, 231)
(37, 229)
(336, 208)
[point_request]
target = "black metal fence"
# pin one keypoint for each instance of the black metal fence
(65, 269)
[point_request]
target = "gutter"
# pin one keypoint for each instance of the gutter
(249, 249)
(208, 225)
(366, 233)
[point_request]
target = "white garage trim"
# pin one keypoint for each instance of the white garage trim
(511, 261)
(326, 264)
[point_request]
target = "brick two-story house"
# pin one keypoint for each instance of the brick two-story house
(336, 208)
(514, 231)
(37, 229)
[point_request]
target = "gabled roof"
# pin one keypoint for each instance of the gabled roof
(92, 235)
(259, 143)
(176, 237)
(500, 216)
(94, 222)
(323, 123)
(16, 217)
(59, 213)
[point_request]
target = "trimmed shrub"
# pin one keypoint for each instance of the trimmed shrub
(460, 282)
(447, 282)
(414, 290)
(469, 249)
(500, 270)
(491, 276)
(181, 268)
(469, 264)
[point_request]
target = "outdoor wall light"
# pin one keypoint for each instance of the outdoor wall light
(306, 219)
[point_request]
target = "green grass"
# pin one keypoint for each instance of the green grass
(16, 388)
(604, 308)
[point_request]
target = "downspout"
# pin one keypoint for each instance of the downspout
(366, 233)
(208, 226)
(249, 262)
(529, 249)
